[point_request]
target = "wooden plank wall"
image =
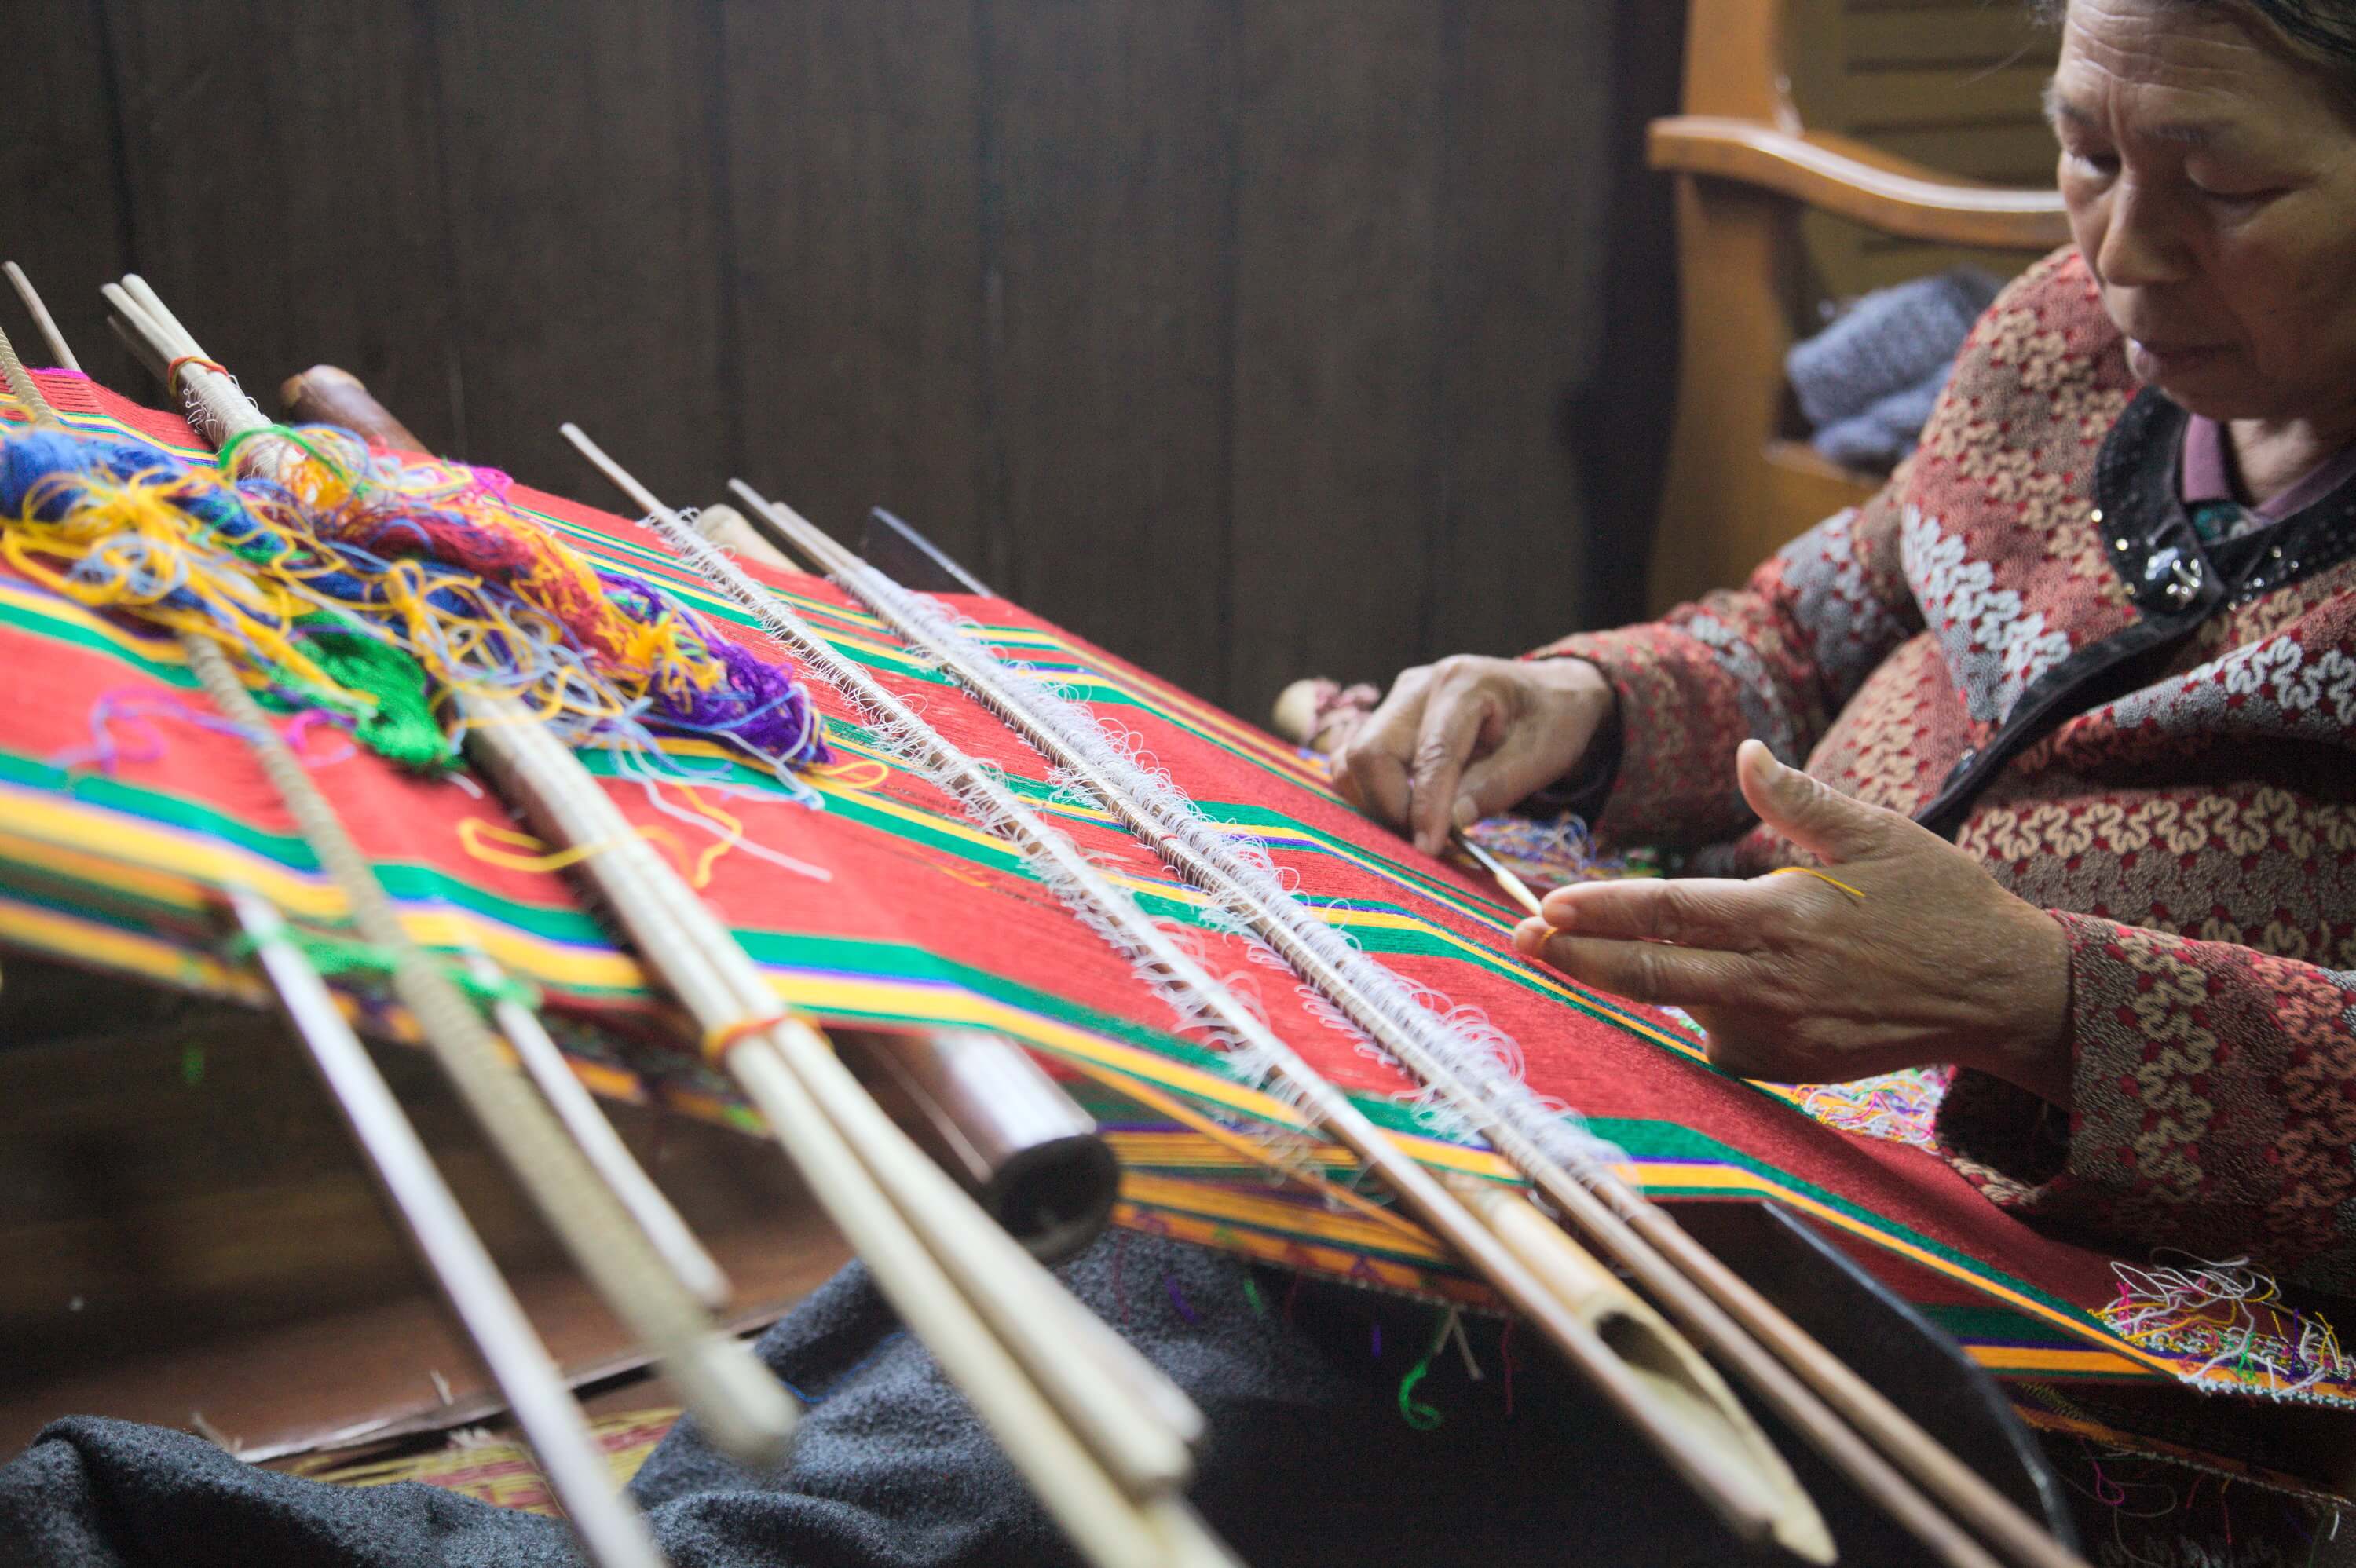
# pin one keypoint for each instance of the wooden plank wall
(1251, 337)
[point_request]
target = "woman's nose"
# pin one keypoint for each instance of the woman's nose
(2143, 241)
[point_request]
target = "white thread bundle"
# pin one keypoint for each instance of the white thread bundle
(1466, 1063)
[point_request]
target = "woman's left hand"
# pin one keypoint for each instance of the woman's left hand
(1800, 981)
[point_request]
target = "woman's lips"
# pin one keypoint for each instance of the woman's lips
(2158, 362)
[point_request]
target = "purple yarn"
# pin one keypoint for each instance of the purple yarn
(757, 705)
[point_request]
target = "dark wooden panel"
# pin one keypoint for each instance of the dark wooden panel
(1522, 264)
(283, 190)
(589, 237)
(1113, 168)
(854, 174)
(1337, 368)
(61, 212)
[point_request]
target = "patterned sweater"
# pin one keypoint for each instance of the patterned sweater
(2192, 825)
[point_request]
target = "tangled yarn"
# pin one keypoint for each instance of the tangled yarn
(373, 586)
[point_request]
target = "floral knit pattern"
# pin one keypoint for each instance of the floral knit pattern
(2197, 837)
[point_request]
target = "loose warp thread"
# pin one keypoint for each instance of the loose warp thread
(2233, 1316)
(360, 582)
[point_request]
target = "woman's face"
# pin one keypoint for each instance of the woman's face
(2212, 185)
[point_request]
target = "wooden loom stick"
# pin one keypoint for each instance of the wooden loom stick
(810, 1101)
(1036, 1317)
(1756, 1504)
(614, 1533)
(42, 319)
(746, 1411)
(1116, 1360)
(610, 1530)
(1706, 1297)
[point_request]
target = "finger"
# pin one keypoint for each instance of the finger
(1694, 912)
(1453, 717)
(1505, 777)
(1371, 771)
(1813, 815)
(1649, 971)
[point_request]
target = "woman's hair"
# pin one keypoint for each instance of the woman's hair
(2324, 30)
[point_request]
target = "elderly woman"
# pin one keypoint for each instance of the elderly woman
(2074, 696)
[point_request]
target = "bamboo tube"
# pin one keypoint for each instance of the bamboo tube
(1739, 1499)
(325, 395)
(1705, 1299)
(1664, 1358)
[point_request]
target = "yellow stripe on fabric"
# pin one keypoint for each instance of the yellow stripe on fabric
(32, 926)
(1291, 1251)
(2028, 1360)
(1242, 1206)
(1684, 1177)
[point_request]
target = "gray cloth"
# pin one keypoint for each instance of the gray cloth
(1863, 379)
(1309, 1461)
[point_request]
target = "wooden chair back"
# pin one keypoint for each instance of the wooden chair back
(1754, 185)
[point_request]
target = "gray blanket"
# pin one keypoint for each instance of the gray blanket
(1310, 1459)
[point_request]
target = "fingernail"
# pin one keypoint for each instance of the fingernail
(1467, 814)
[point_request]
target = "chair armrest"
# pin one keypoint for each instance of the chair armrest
(1852, 180)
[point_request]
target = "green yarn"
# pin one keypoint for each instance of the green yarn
(400, 726)
(334, 955)
(1417, 1414)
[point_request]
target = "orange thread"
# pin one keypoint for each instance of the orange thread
(1812, 872)
(172, 370)
(718, 1042)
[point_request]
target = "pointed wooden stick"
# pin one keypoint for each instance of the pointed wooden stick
(41, 317)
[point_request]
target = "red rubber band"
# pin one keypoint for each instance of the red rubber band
(172, 370)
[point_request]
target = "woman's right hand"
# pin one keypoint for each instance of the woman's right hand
(1465, 738)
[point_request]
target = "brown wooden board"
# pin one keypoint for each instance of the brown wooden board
(1337, 457)
(285, 193)
(584, 180)
(1521, 264)
(854, 173)
(1112, 229)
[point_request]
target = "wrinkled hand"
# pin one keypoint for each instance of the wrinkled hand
(1797, 981)
(1458, 740)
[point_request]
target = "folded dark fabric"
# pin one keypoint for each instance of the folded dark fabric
(1890, 341)
(1878, 438)
(1311, 1458)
